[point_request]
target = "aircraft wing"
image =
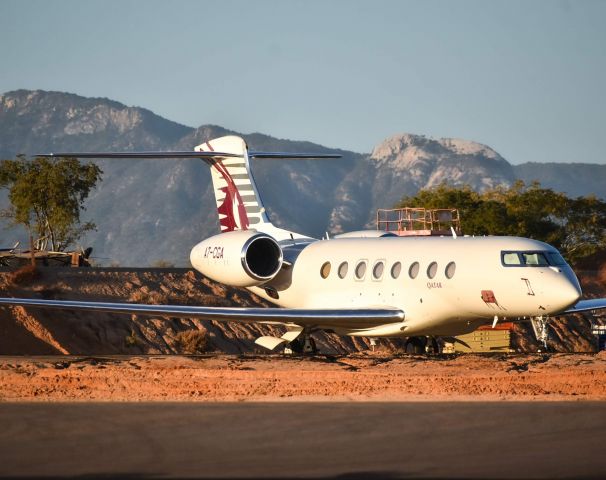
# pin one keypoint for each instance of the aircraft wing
(588, 305)
(347, 318)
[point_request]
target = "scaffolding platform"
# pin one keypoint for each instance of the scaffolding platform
(419, 221)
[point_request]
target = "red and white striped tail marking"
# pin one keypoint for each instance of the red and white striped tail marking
(238, 204)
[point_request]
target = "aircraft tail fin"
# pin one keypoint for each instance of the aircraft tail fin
(239, 204)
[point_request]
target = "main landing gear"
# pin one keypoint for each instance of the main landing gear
(304, 344)
(421, 345)
(415, 345)
(294, 340)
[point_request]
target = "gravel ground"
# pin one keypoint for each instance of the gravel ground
(357, 377)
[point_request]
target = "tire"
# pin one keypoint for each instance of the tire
(314, 349)
(296, 346)
(414, 346)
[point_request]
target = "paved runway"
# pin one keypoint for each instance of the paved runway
(304, 440)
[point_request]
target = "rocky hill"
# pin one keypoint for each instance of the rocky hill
(149, 210)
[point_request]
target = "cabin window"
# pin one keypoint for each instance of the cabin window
(343, 270)
(432, 269)
(361, 270)
(413, 271)
(377, 271)
(325, 270)
(450, 269)
(395, 270)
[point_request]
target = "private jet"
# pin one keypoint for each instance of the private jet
(365, 283)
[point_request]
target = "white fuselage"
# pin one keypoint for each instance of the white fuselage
(480, 288)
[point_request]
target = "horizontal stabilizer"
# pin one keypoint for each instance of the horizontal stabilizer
(184, 155)
(292, 155)
(139, 155)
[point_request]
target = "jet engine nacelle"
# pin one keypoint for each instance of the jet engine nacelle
(242, 258)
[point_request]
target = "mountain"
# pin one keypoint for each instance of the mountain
(574, 179)
(149, 210)
(53, 121)
(405, 163)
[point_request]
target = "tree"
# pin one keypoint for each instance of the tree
(478, 215)
(47, 196)
(586, 227)
(576, 226)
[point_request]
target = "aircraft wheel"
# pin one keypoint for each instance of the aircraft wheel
(415, 346)
(310, 347)
(296, 346)
(433, 346)
(306, 346)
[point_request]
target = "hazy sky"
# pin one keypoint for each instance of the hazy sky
(527, 78)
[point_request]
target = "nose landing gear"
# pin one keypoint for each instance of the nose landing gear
(541, 331)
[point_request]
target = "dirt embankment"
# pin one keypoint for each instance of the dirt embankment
(31, 331)
(37, 331)
(361, 377)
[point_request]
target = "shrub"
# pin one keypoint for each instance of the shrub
(131, 340)
(192, 342)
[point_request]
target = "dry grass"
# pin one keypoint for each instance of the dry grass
(192, 341)
(149, 298)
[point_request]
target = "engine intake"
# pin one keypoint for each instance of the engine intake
(262, 257)
(242, 258)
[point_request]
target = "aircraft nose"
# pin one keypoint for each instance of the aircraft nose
(574, 293)
(569, 293)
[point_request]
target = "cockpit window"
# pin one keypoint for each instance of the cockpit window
(532, 259)
(511, 258)
(555, 259)
(535, 259)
